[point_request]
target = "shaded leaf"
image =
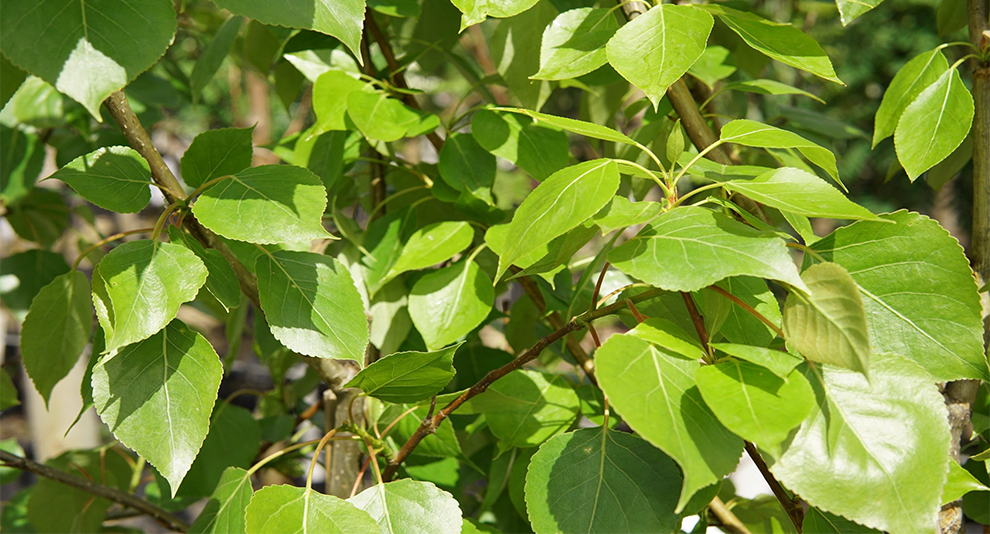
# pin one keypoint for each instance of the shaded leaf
(213, 55)
(216, 153)
(232, 442)
(41, 216)
(221, 281)
(537, 149)
(115, 178)
(24, 274)
(525, 408)
(467, 167)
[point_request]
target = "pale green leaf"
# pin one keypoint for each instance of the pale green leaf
(574, 43)
(279, 509)
(343, 19)
(874, 451)
(621, 213)
(406, 377)
(114, 178)
(525, 408)
(211, 59)
(267, 204)
(769, 87)
(779, 362)
(87, 50)
(141, 286)
(222, 281)
(667, 334)
(655, 392)
(934, 124)
(754, 403)
(536, 149)
(378, 117)
(659, 46)
(467, 167)
(587, 129)
(797, 191)
(563, 201)
(330, 93)
(56, 330)
(448, 303)
(716, 63)
(849, 10)
(475, 11)
(216, 153)
(756, 134)
(688, 248)
(959, 483)
(598, 480)
(312, 305)
(410, 507)
(313, 63)
(916, 75)
(157, 395)
(918, 291)
(390, 321)
(432, 244)
(224, 512)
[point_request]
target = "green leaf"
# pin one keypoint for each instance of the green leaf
(282, 508)
(659, 46)
(669, 252)
(8, 399)
(756, 134)
(41, 216)
(432, 244)
(56, 330)
(777, 362)
(410, 507)
(621, 213)
(222, 281)
(11, 79)
(20, 166)
(510, 38)
(396, 8)
(87, 50)
(574, 44)
(525, 408)
(440, 444)
(224, 512)
(587, 129)
(714, 65)
(23, 276)
(796, 191)
(114, 178)
(213, 55)
(465, 166)
(951, 16)
(330, 93)
(475, 11)
(390, 322)
(598, 480)
(556, 206)
(825, 523)
(856, 444)
(754, 403)
(232, 442)
(913, 78)
(959, 483)
(55, 507)
(267, 204)
(343, 19)
(732, 321)
(934, 124)
(216, 153)
(448, 303)
(829, 324)
(780, 41)
(655, 391)
(407, 376)
(139, 286)
(850, 10)
(537, 149)
(918, 291)
(768, 87)
(312, 305)
(378, 117)
(156, 396)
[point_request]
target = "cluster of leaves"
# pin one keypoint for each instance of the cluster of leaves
(829, 369)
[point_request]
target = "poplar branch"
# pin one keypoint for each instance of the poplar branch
(111, 494)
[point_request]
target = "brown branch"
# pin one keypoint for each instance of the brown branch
(431, 424)
(697, 320)
(792, 506)
(111, 494)
(748, 308)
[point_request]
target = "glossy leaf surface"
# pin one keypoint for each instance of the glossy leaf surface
(410, 507)
(797, 191)
(934, 124)
(406, 377)
(448, 303)
(278, 509)
(574, 44)
(913, 78)
(115, 178)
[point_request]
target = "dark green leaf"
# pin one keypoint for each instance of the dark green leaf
(11, 79)
(216, 153)
(54, 507)
(222, 281)
(525, 408)
(213, 55)
(41, 216)
(8, 399)
(115, 178)
(22, 158)
(465, 166)
(537, 149)
(224, 512)
(849, 10)
(232, 442)
(24, 274)
(509, 39)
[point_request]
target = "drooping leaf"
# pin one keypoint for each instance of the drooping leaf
(918, 292)
(23, 276)
(855, 444)
(448, 303)
(312, 305)
(537, 149)
(654, 389)
(115, 178)
(850, 10)
(267, 204)
(465, 166)
(829, 324)
(216, 153)
(330, 92)
(87, 50)
(777, 362)
(410, 507)
(525, 408)
(621, 213)
(343, 19)
(797, 191)
(139, 286)
(213, 55)
(934, 124)
(769, 87)
(157, 395)
(913, 78)
(41, 216)
(8, 399)
(406, 377)
(56, 330)
(379, 117)
(754, 403)
(282, 508)
(598, 480)
(232, 442)
(668, 252)
(221, 281)
(224, 512)
(574, 44)
(557, 205)
(780, 41)
(24, 156)
(432, 244)
(756, 134)
(659, 46)
(510, 38)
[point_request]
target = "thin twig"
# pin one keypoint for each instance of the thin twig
(729, 521)
(791, 506)
(698, 320)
